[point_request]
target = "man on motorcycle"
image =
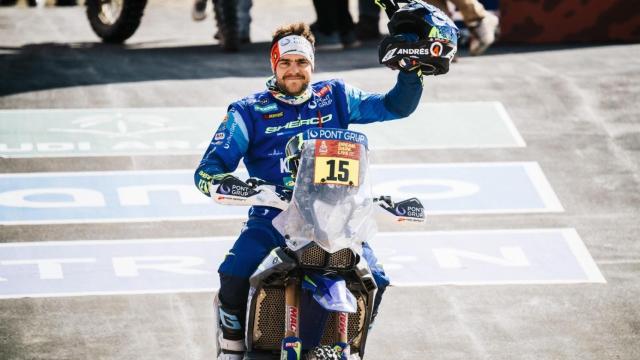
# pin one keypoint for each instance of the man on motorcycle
(257, 129)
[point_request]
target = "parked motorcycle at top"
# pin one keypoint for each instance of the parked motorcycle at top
(313, 299)
(114, 21)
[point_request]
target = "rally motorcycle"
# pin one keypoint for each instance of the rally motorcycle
(313, 299)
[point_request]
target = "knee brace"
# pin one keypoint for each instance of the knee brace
(231, 322)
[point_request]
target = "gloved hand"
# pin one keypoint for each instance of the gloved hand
(205, 181)
(282, 192)
(255, 182)
(270, 195)
(408, 64)
(217, 179)
(388, 53)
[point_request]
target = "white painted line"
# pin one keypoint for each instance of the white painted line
(549, 256)
(544, 187)
(618, 262)
(110, 293)
(110, 242)
(241, 171)
(492, 283)
(111, 110)
(440, 186)
(583, 256)
(449, 164)
(503, 116)
(50, 133)
(509, 124)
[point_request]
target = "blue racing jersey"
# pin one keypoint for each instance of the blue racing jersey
(257, 128)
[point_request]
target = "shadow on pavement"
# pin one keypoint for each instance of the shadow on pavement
(58, 65)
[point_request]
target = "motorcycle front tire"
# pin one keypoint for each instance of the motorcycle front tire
(114, 21)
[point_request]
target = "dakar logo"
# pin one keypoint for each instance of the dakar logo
(323, 147)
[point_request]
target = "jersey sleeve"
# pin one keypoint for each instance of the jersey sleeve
(229, 144)
(399, 102)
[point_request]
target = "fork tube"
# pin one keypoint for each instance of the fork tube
(292, 307)
(291, 344)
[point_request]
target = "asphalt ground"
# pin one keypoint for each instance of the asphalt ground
(575, 106)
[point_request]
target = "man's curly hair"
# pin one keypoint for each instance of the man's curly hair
(298, 28)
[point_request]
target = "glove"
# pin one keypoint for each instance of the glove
(205, 181)
(408, 64)
(255, 182)
(388, 56)
(282, 192)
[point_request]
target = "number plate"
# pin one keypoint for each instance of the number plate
(337, 162)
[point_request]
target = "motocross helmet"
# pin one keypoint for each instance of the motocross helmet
(422, 33)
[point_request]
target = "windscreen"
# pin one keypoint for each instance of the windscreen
(332, 201)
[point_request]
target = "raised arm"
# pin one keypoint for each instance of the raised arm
(398, 103)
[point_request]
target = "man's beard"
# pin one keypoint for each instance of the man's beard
(283, 88)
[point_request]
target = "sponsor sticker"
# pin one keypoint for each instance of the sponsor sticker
(323, 91)
(292, 318)
(266, 108)
(298, 123)
(273, 115)
(337, 162)
(436, 49)
(324, 101)
(337, 134)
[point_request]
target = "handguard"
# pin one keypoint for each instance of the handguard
(233, 191)
(407, 210)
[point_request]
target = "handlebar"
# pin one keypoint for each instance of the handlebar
(258, 192)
